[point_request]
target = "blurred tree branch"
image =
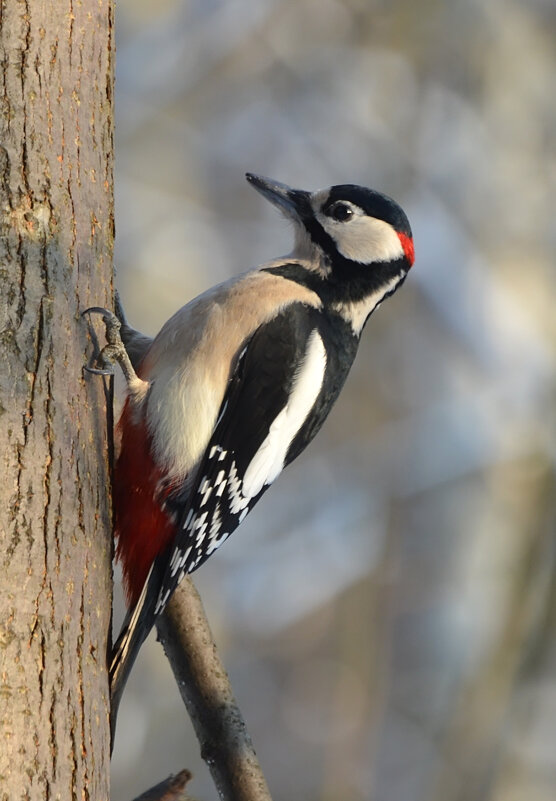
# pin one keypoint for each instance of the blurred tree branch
(171, 789)
(203, 682)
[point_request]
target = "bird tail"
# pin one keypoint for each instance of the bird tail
(137, 625)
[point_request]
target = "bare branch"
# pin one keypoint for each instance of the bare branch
(203, 682)
(171, 789)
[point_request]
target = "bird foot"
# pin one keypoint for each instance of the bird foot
(114, 351)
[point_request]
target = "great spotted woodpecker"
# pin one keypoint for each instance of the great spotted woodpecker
(235, 386)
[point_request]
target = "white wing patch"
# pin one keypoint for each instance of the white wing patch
(268, 462)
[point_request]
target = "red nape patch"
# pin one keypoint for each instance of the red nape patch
(142, 528)
(408, 248)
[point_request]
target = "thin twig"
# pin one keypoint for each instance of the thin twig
(171, 789)
(205, 689)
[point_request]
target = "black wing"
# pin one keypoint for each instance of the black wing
(258, 391)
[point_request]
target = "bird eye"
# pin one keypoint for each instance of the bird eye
(341, 212)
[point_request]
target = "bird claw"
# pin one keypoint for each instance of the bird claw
(111, 322)
(98, 370)
(114, 351)
(98, 310)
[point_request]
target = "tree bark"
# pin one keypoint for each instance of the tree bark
(56, 214)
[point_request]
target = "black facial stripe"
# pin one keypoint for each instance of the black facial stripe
(348, 282)
(320, 237)
(293, 271)
(351, 281)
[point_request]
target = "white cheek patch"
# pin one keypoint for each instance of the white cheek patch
(268, 462)
(364, 239)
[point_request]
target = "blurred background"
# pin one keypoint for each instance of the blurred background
(387, 613)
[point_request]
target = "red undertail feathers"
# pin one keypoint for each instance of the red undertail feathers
(142, 528)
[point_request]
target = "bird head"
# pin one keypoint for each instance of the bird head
(346, 222)
(356, 243)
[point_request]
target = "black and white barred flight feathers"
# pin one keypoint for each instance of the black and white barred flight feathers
(235, 386)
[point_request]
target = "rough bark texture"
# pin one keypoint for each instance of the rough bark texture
(55, 259)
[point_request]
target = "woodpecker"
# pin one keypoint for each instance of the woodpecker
(236, 385)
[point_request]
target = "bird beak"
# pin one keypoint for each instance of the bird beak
(292, 202)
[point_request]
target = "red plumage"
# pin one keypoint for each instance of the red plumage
(408, 247)
(142, 527)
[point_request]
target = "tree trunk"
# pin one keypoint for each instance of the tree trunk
(55, 259)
